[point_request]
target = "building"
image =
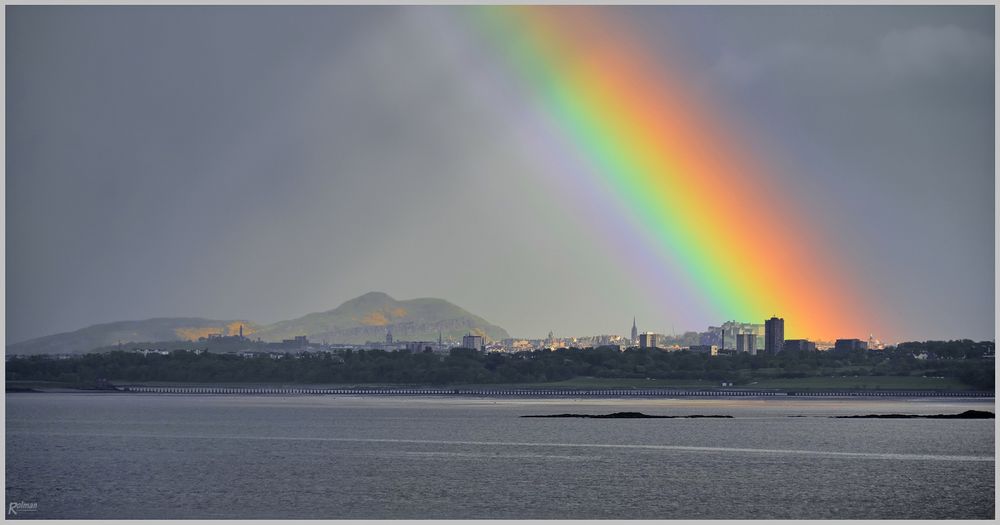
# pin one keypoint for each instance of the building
(710, 337)
(647, 340)
(144, 351)
(635, 333)
(774, 335)
(299, 341)
(388, 335)
(517, 345)
(799, 345)
(419, 346)
(849, 345)
(725, 336)
(476, 342)
(704, 349)
(746, 343)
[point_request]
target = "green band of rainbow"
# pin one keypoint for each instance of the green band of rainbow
(663, 156)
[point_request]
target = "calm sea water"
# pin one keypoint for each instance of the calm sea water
(100, 456)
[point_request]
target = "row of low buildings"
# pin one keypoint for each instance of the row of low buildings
(737, 337)
(728, 338)
(477, 342)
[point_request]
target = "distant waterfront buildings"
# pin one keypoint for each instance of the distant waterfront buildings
(725, 336)
(518, 345)
(746, 343)
(849, 345)
(476, 342)
(730, 338)
(299, 341)
(221, 338)
(705, 349)
(874, 344)
(799, 345)
(774, 335)
(146, 351)
(420, 346)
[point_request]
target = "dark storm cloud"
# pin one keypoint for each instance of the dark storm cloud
(256, 163)
(263, 162)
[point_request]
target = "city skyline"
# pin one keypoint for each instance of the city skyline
(278, 161)
(726, 334)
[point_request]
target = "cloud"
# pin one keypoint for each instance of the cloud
(944, 53)
(755, 67)
(929, 51)
(796, 63)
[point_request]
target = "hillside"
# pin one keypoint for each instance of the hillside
(361, 319)
(367, 317)
(149, 330)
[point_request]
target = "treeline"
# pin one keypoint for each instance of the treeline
(960, 349)
(962, 360)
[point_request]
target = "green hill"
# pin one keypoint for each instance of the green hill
(361, 319)
(158, 329)
(366, 318)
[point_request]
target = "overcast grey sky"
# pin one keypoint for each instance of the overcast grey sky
(266, 162)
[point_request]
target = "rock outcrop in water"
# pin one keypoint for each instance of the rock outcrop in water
(968, 414)
(627, 415)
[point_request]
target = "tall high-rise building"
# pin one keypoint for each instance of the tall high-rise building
(746, 343)
(388, 335)
(647, 340)
(774, 335)
(635, 333)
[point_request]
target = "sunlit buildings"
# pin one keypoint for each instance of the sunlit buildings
(875, 344)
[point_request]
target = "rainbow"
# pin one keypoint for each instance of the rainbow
(678, 176)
